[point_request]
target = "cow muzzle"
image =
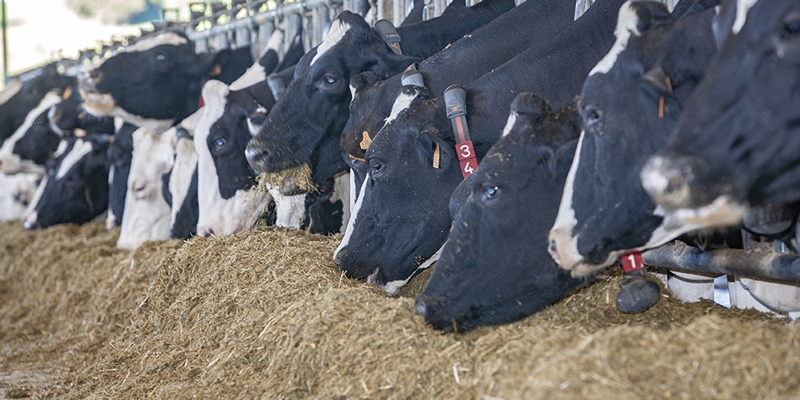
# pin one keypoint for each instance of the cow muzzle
(682, 182)
(563, 249)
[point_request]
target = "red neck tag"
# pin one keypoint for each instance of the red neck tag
(632, 261)
(464, 148)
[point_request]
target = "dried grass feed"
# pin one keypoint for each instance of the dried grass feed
(266, 314)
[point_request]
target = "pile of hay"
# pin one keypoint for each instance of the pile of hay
(266, 314)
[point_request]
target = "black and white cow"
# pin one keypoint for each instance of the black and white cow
(400, 218)
(16, 193)
(180, 189)
(75, 188)
(226, 203)
(120, 152)
(309, 117)
(148, 215)
(21, 151)
(526, 26)
(27, 92)
(738, 142)
(154, 82)
(68, 117)
(630, 103)
(494, 267)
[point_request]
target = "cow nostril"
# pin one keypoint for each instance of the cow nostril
(552, 249)
(256, 157)
(208, 232)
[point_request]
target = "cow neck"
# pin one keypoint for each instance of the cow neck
(455, 101)
(389, 35)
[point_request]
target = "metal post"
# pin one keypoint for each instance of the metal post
(5, 41)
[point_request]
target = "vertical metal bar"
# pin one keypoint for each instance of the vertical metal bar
(5, 42)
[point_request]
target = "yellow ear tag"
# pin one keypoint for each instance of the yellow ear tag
(67, 93)
(661, 107)
(437, 156)
(352, 157)
(217, 70)
(365, 140)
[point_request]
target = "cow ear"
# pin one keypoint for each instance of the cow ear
(434, 151)
(363, 80)
(658, 78)
(209, 65)
(649, 13)
(387, 63)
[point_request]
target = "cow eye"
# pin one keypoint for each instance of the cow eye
(329, 79)
(375, 166)
(161, 58)
(791, 26)
(220, 143)
(592, 115)
(489, 191)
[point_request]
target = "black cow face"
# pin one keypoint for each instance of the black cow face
(28, 148)
(629, 105)
(494, 267)
(69, 115)
(39, 141)
(21, 97)
(400, 219)
(369, 93)
(76, 187)
(156, 78)
(305, 124)
(737, 143)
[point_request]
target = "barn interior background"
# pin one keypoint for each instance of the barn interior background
(266, 314)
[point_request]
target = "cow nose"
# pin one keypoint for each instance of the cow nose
(552, 249)
(667, 181)
(256, 157)
(208, 232)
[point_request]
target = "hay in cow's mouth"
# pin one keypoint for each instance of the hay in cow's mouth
(288, 181)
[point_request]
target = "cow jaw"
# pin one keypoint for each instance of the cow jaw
(723, 211)
(392, 288)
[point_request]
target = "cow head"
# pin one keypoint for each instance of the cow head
(24, 94)
(152, 82)
(75, 189)
(180, 188)
(16, 193)
(305, 124)
(26, 157)
(227, 206)
(629, 104)
(120, 152)
(494, 267)
(147, 214)
(400, 218)
(69, 118)
(737, 143)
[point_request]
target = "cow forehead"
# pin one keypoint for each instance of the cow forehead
(80, 149)
(214, 92)
(627, 26)
(334, 36)
(742, 7)
(168, 38)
